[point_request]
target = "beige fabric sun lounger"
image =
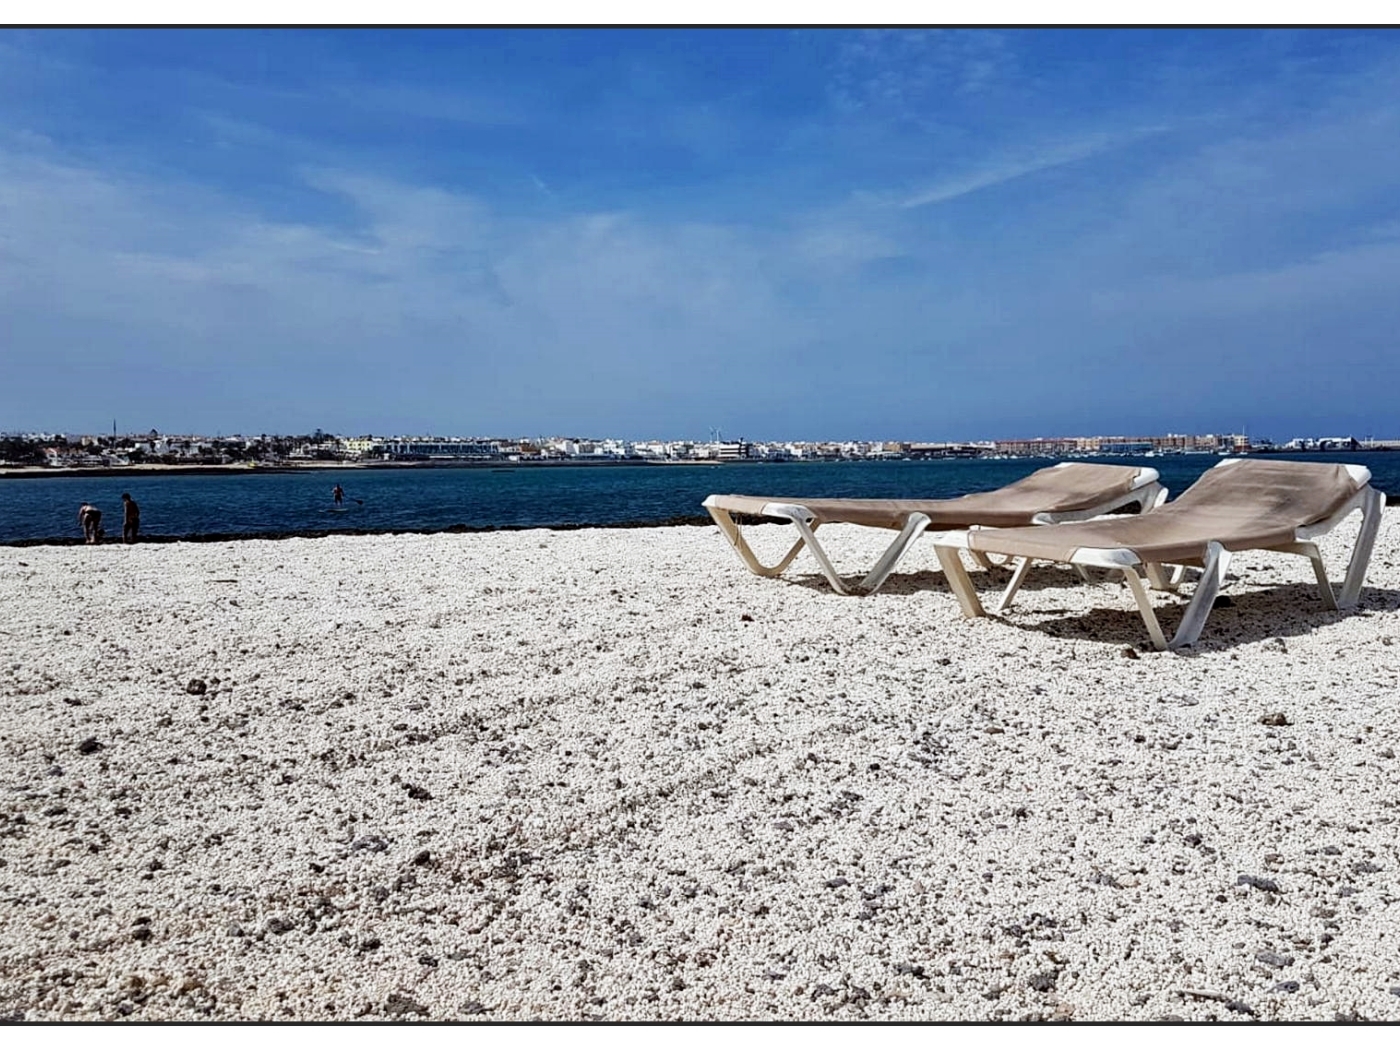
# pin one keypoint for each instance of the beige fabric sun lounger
(1064, 492)
(1241, 504)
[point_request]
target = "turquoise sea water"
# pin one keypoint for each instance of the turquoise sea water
(386, 500)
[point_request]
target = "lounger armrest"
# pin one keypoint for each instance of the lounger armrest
(790, 511)
(1100, 557)
(952, 538)
(1105, 557)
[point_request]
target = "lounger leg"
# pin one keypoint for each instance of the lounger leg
(959, 581)
(1310, 551)
(736, 538)
(806, 532)
(1212, 577)
(1157, 578)
(1361, 554)
(1017, 578)
(983, 559)
(1324, 586)
(1144, 604)
(913, 529)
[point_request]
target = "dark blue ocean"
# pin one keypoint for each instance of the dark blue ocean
(431, 498)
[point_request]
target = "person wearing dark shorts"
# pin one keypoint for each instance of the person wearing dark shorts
(90, 518)
(131, 518)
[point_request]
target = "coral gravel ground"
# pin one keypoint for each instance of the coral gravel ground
(609, 774)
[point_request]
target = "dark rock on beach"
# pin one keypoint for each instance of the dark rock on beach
(400, 1006)
(1044, 982)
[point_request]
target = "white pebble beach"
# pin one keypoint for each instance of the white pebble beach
(609, 774)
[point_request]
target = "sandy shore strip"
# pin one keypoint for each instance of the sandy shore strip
(610, 774)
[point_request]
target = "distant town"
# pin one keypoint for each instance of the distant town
(152, 449)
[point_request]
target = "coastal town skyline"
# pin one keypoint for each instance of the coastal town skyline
(54, 450)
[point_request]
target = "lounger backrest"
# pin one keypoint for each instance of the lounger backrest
(1065, 487)
(1265, 501)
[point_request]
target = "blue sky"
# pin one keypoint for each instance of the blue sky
(815, 234)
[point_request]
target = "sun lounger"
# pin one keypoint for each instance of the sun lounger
(1064, 492)
(1241, 504)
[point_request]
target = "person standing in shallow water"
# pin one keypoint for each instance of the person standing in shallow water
(131, 518)
(90, 518)
(338, 494)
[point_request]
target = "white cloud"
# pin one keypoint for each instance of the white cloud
(486, 316)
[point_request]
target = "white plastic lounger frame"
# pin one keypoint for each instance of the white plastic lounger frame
(1147, 495)
(1370, 502)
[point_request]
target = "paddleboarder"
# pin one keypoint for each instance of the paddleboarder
(338, 494)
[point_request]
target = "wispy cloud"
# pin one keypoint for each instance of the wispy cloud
(1006, 171)
(1010, 168)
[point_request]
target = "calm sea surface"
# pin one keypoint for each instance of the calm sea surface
(436, 498)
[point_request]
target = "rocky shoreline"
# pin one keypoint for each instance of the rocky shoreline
(316, 534)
